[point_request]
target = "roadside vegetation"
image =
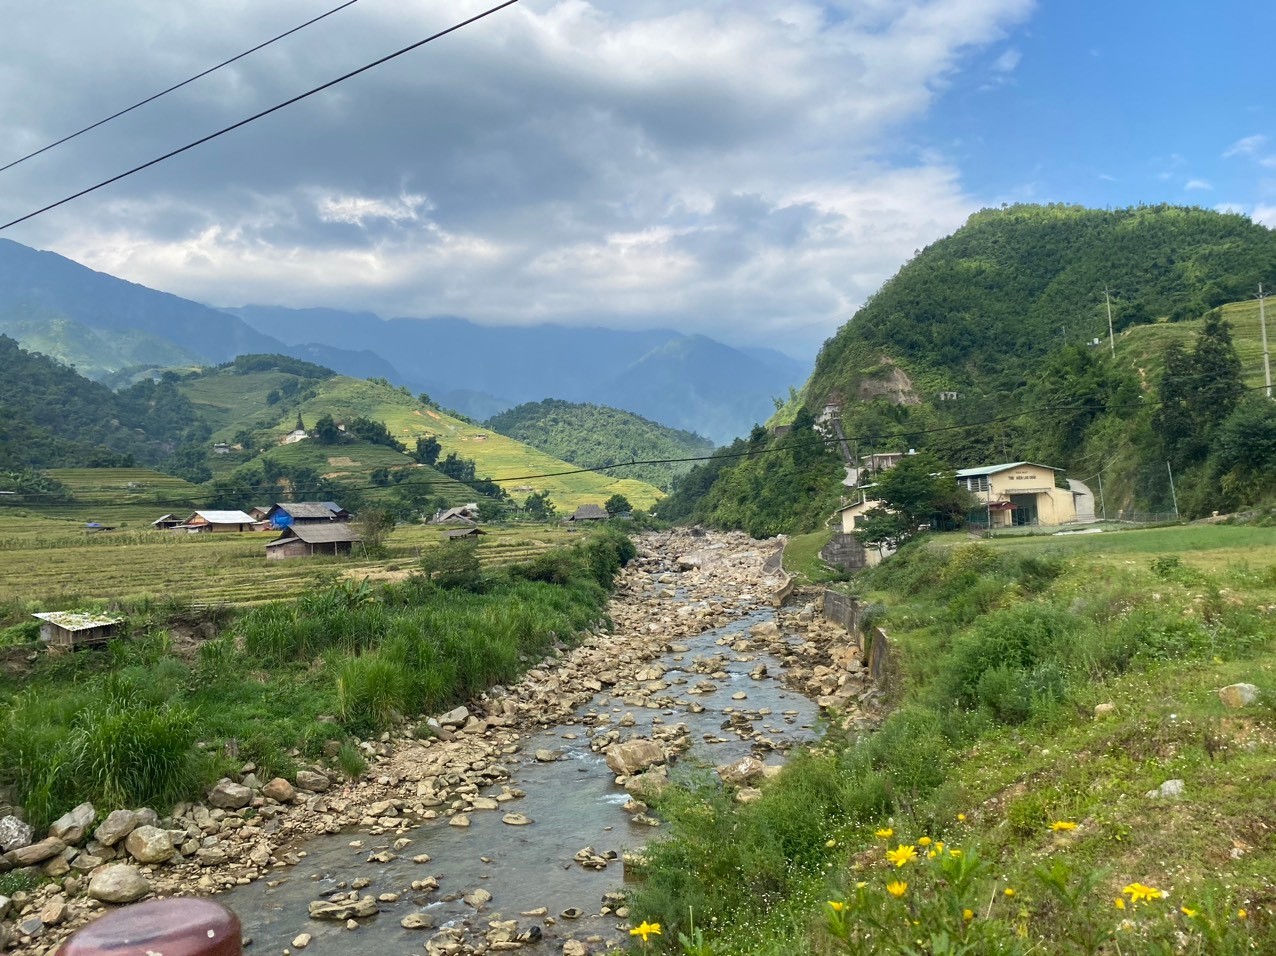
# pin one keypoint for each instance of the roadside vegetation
(1003, 806)
(156, 717)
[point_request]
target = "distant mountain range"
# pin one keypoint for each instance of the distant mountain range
(114, 331)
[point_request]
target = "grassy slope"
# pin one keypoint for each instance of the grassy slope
(50, 562)
(229, 402)
(1143, 346)
(498, 457)
(104, 495)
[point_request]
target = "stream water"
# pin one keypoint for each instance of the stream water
(573, 803)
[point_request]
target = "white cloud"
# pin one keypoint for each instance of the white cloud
(1195, 184)
(1264, 213)
(717, 167)
(1246, 146)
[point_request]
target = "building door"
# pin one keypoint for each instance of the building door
(1025, 510)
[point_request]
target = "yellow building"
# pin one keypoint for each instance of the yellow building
(1017, 494)
(855, 510)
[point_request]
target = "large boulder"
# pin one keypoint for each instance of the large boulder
(455, 718)
(229, 795)
(742, 772)
(350, 909)
(1236, 696)
(117, 825)
(119, 883)
(278, 789)
(71, 827)
(634, 756)
(312, 780)
(149, 845)
(35, 853)
(15, 833)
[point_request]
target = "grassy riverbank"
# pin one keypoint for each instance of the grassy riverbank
(154, 718)
(994, 748)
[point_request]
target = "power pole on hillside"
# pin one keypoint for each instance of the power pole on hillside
(1111, 340)
(1174, 495)
(1262, 324)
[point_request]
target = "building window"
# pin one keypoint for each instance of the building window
(974, 483)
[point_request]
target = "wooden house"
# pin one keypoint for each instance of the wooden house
(218, 522)
(307, 512)
(77, 628)
(166, 522)
(587, 513)
(461, 533)
(309, 540)
(465, 514)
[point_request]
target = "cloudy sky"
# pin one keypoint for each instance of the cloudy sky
(749, 169)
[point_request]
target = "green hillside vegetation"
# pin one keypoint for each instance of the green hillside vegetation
(597, 435)
(993, 748)
(1004, 313)
(94, 353)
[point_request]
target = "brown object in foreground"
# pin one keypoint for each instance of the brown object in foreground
(178, 927)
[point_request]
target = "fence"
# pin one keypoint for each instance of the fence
(845, 611)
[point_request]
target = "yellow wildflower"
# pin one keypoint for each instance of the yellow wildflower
(836, 906)
(930, 855)
(904, 853)
(1059, 825)
(961, 818)
(1242, 914)
(1188, 912)
(830, 843)
(967, 915)
(896, 888)
(939, 846)
(645, 929)
(885, 833)
(1139, 893)
(954, 852)
(1008, 891)
(925, 841)
(1119, 902)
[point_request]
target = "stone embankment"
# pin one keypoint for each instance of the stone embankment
(451, 766)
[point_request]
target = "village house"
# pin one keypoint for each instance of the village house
(77, 628)
(465, 514)
(461, 533)
(205, 522)
(856, 509)
(874, 464)
(305, 512)
(294, 436)
(586, 513)
(221, 448)
(309, 540)
(1017, 494)
(166, 522)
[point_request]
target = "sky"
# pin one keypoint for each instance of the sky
(747, 169)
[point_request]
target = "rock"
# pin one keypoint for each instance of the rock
(14, 833)
(31, 927)
(634, 756)
(149, 845)
(417, 921)
(748, 795)
(741, 772)
(339, 912)
(1169, 790)
(574, 947)
(460, 820)
(572, 912)
(35, 853)
(6, 903)
(117, 825)
(516, 819)
(477, 898)
(548, 756)
(71, 827)
(54, 912)
(455, 718)
(229, 795)
(313, 781)
(1104, 710)
(279, 790)
(301, 941)
(1236, 696)
(118, 883)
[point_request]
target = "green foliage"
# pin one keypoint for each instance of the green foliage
(246, 364)
(427, 448)
(539, 506)
(453, 564)
(593, 435)
(617, 505)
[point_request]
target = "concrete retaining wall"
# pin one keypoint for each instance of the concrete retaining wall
(847, 612)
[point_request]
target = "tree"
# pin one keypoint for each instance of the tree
(617, 505)
(374, 526)
(539, 506)
(380, 477)
(1197, 392)
(453, 564)
(428, 450)
(301, 426)
(326, 431)
(917, 491)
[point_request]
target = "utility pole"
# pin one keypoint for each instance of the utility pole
(1111, 340)
(1262, 324)
(1173, 494)
(1103, 507)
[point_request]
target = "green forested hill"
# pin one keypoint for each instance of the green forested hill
(596, 435)
(1004, 315)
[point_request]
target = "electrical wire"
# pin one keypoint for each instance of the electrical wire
(256, 116)
(176, 86)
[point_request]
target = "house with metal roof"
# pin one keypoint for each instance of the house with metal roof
(461, 533)
(588, 513)
(311, 540)
(1018, 493)
(166, 522)
(207, 522)
(76, 628)
(306, 512)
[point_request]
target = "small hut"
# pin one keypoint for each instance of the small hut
(166, 522)
(587, 513)
(309, 540)
(463, 533)
(76, 628)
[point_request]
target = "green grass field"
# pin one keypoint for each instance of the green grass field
(1143, 346)
(229, 402)
(51, 563)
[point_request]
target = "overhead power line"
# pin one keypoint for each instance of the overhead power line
(176, 86)
(446, 481)
(256, 116)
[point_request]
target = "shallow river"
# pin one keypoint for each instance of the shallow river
(573, 803)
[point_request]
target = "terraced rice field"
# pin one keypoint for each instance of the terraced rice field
(53, 564)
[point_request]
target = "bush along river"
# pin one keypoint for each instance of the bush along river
(509, 828)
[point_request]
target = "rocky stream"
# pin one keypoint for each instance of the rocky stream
(510, 824)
